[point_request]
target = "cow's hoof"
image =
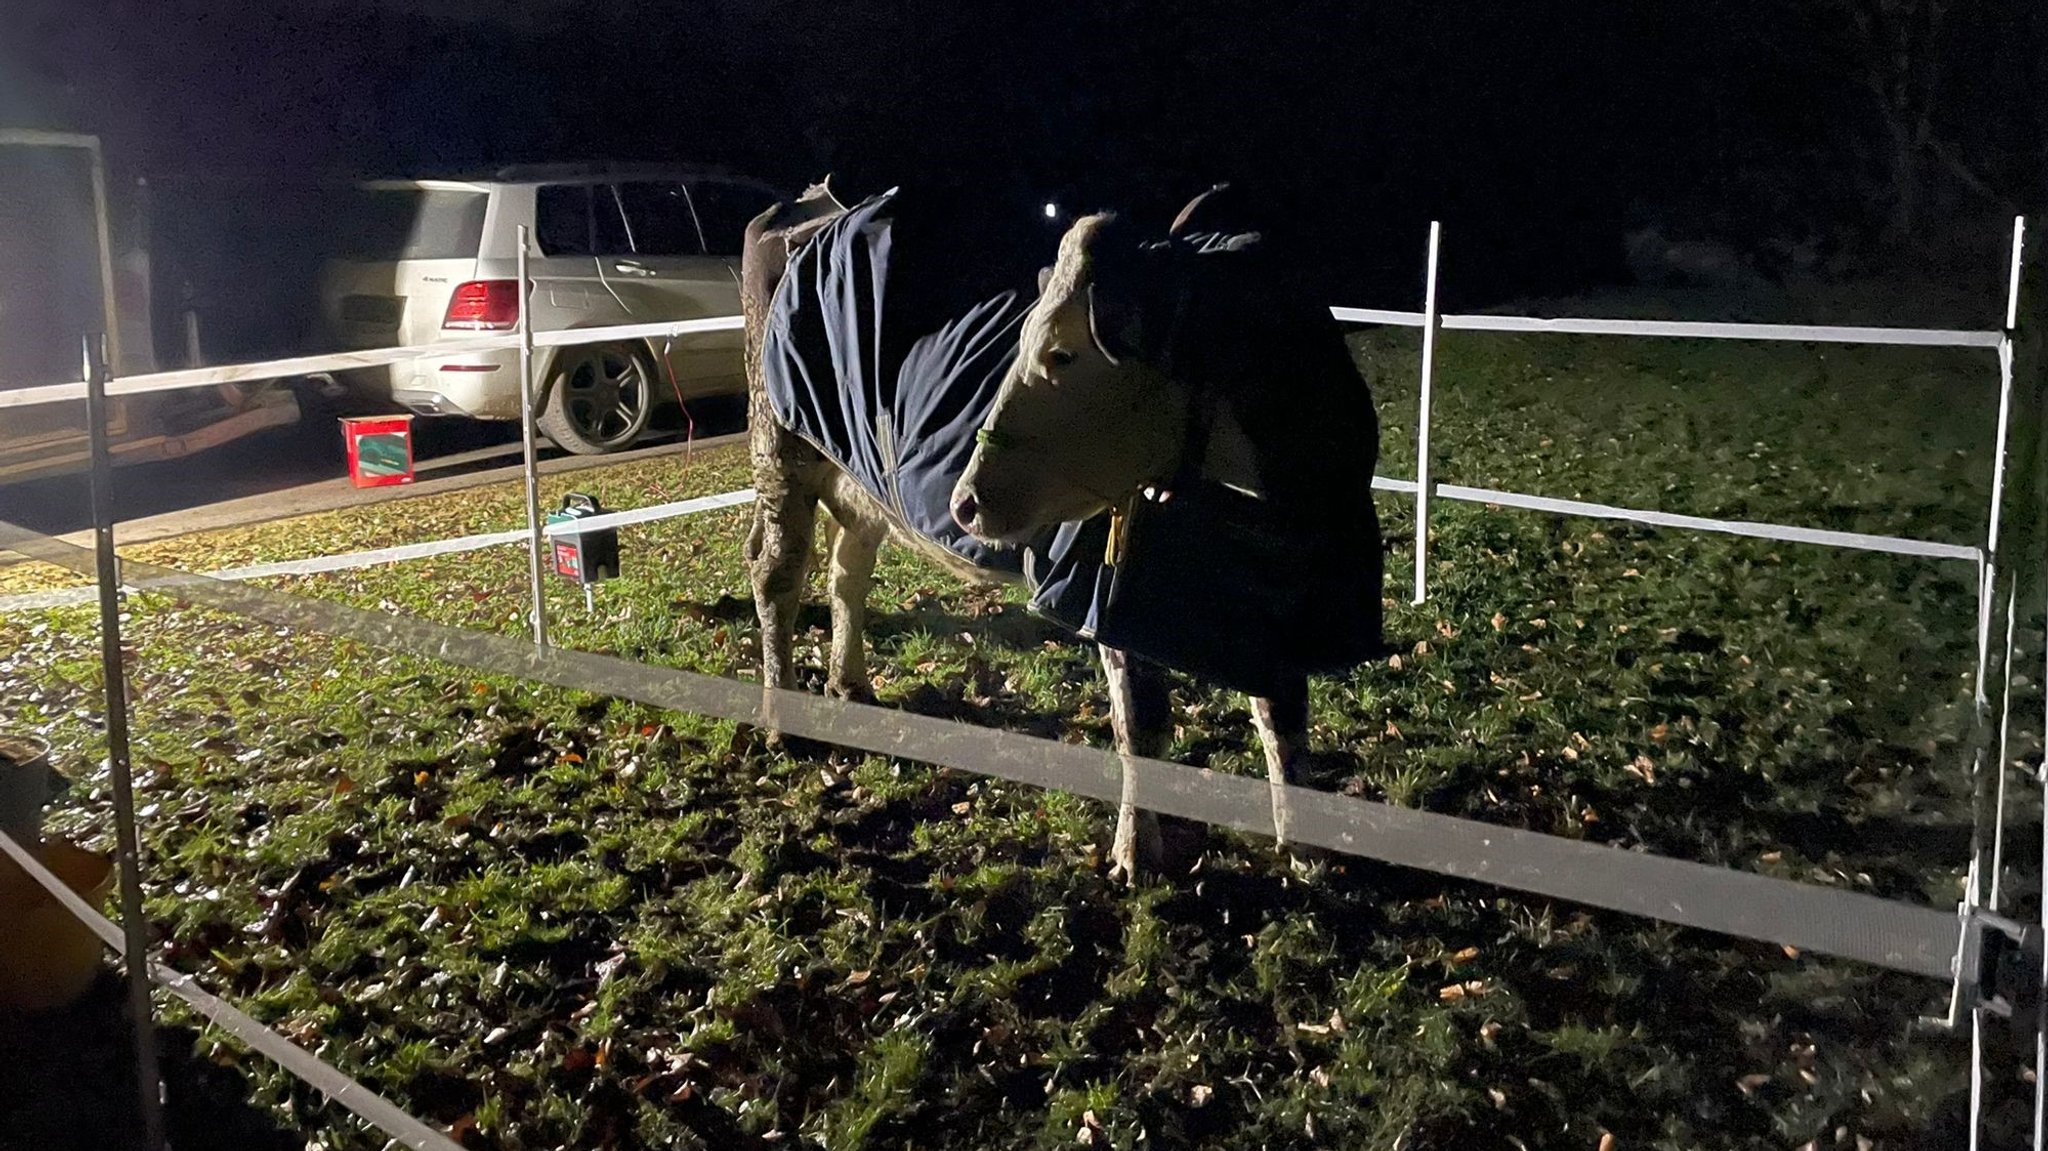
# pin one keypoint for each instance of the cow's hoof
(1182, 843)
(1308, 863)
(1137, 852)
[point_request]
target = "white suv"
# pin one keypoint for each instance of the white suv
(433, 260)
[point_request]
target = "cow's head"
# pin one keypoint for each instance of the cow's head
(1087, 416)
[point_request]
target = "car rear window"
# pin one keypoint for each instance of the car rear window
(415, 224)
(660, 218)
(579, 220)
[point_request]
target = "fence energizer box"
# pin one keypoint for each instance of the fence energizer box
(379, 450)
(585, 557)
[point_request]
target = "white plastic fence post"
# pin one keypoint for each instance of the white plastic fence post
(2012, 604)
(1423, 484)
(2012, 289)
(1988, 586)
(528, 436)
(1988, 758)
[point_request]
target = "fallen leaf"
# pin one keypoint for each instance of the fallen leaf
(1500, 621)
(1465, 956)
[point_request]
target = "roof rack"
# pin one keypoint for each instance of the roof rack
(613, 169)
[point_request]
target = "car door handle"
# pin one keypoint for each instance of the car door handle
(629, 268)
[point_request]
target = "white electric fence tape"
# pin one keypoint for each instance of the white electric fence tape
(372, 1107)
(183, 378)
(1891, 934)
(451, 349)
(1695, 330)
(1857, 541)
(1379, 316)
(346, 561)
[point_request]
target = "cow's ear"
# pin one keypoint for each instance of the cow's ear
(1120, 285)
(1127, 313)
(1044, 278)
(1113, 324)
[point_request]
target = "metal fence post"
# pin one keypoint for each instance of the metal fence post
(1423, 483)
(528, 435)
(135, 927)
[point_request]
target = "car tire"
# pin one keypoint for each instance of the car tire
(599, 398)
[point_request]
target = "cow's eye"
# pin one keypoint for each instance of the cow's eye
(1059, 357)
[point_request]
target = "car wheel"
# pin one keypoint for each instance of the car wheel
(599, 399)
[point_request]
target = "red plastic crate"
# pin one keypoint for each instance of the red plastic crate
(379, 450)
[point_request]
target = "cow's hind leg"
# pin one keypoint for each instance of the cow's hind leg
(778, 557)
(1282, 720)
(853, 542)
(1139, 714)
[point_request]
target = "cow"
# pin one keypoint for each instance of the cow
(1131, 381)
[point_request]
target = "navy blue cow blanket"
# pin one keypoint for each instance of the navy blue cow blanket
(884, 352)
(890, 383)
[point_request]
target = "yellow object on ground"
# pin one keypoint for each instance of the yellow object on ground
(47, 957)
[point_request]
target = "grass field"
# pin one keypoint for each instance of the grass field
(546, 919)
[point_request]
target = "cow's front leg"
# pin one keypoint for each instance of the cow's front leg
(1282, 721)
(1139, 714)
(853, 547)
(778, 557)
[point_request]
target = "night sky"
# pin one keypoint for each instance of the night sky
(1539, 132)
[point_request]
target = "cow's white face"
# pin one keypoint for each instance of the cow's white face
(1074, 430)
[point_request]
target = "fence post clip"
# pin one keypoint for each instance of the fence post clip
(2000, 967)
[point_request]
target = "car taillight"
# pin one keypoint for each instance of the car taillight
(484, 306)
